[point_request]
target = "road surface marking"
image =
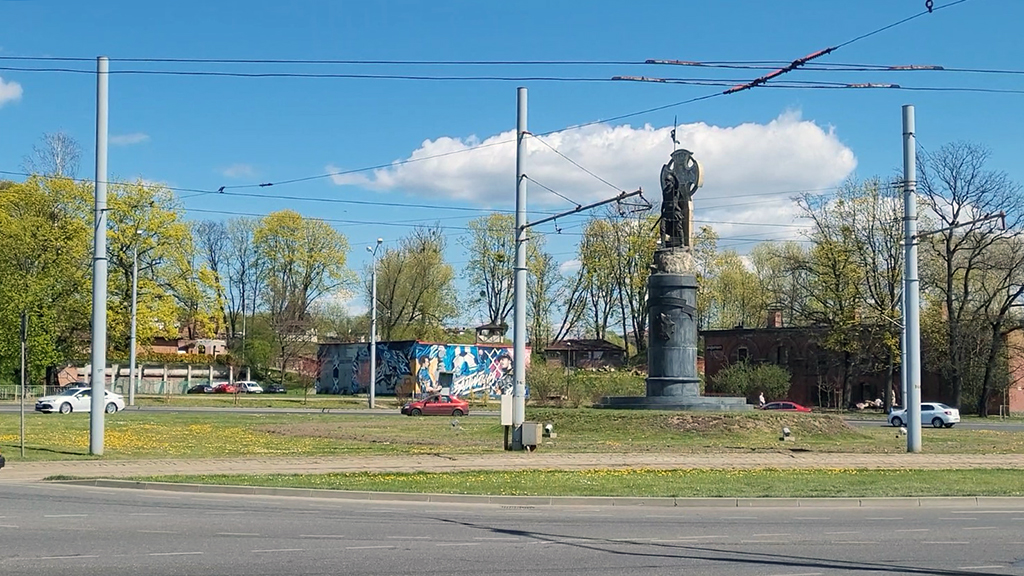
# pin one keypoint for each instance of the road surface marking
(980, 567)
(67, 557)
(65, 515)
(849, 532)
(221, 512)
(883, 518)
(496, 538)
(158, 531)
(812, 518)
(767, 535)
(278, 550)
(985, 512)
(854, 542)
(699, 537)
(8, 526)
(321, 535)
(147, 514)
(933, 542)
(760, 542)
(458, 544)
(368, 547)
(174, 553)
(979, 528)
(958, 518)
(914, 530)
(237, 534)
(410, 537)
(739, 517)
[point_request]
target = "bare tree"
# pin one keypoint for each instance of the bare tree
(212, 241)
(976, 269)
(57, 154)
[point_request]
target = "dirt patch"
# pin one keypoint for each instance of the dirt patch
(759, 422)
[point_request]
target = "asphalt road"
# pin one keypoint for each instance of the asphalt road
(71, 530)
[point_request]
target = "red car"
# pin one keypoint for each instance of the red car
(225, 388)
(785, 407)
(437, 405)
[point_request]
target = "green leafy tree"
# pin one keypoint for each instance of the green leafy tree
(415, 288)
(490, 270)
(305, 261)
(744, 379)
(45, 240)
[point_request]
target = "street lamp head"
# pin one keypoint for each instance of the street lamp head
(380, 241)
(368, 249)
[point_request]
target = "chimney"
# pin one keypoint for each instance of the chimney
(775, 318)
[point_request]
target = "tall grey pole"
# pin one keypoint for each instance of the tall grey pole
(911, 287)
(373, 324)
(903, 348)
(24, 337)
(519, 328)
(99, 266)
(135, 298)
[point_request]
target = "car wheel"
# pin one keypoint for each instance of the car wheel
(415, 412)
(457, 413)
(65, 408)
(897, 421)
(937, 422)
(111, 408)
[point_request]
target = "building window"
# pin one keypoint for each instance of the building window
(742, 354)
(782, 355)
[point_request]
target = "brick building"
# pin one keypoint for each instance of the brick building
(817, 378)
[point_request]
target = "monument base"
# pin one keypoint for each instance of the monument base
(702, 403)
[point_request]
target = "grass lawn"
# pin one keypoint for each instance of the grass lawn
(831, 483)
(133, 434)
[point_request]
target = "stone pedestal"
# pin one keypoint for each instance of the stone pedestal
(672, 381)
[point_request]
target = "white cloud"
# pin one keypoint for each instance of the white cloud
(569, 267)
(10, 91)
(239, 171)
(787, 153)
(129, 139)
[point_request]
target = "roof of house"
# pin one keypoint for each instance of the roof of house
(588, 345)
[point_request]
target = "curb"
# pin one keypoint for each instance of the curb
(532, 501)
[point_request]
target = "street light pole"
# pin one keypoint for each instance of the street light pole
(131, 349)
(373, 321)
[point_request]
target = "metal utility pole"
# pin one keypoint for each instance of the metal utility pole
(519, 326)
(24, 337)
(373, 322)
(903, 348)
(911, 286)
(99, 266)
(135, 297)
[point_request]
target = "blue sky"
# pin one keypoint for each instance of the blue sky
(205, 132)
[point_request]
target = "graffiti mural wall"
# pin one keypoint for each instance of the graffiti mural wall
(416, 368)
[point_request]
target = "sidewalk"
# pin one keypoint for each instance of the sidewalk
(35, 471)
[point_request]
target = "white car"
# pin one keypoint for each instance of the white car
(249, 387)
(78, 400)
(934, 413)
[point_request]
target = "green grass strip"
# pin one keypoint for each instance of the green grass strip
(764, 482)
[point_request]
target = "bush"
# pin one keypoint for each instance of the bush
(544, 380)
(742, 379)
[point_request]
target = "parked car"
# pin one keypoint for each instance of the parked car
(200, 389)
(935, 413)
(249, 387)
(224, 388)
(785, 407)
(274, 389)
(437, 405)
(78, 400)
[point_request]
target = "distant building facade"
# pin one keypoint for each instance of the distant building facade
(585, 354)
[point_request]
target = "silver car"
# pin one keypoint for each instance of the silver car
(935, 413)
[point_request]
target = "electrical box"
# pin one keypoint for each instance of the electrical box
(532, 434)
(506, 409)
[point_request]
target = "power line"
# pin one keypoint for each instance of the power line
(576, 164)
(897, 23)
(556, 193)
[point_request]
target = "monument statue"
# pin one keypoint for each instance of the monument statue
(672, 379)
(680, 179)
